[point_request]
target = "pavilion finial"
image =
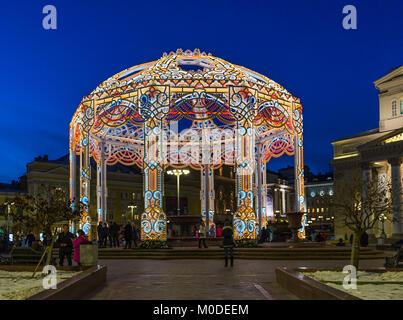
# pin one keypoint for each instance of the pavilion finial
(180, 52)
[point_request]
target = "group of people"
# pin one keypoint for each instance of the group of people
(318, 236)
(130, 235)
(116, 235)
(66, 242)
(266, 234)
(110, 233)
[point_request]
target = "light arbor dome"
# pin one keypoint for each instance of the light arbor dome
(171, 103)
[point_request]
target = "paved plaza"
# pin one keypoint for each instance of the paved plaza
(145, 279)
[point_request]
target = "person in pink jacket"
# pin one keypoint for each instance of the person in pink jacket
(76, 244)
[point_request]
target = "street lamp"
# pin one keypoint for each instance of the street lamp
(178, 173)
(132, 207)
(382, 217)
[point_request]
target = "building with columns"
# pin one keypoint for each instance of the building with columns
(379, 151)
(280, 199)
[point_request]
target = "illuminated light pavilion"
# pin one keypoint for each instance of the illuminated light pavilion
(187, 109)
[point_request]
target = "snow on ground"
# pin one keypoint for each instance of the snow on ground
(383, 285)
(21, 285)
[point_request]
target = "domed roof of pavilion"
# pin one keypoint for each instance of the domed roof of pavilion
(203, 90)
(189, 69)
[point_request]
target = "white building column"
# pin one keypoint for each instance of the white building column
(366, 176)
(283, 203)
(396, 179)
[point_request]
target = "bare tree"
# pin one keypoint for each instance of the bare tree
(359, 203)
(42, 212)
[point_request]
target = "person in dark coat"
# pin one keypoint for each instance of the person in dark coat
(30, 238)
(228, 243)
(135, 235)
(364, 240)
(105, 234)
(65, 244)
(340, 243)
(128, 235)
(99, 231)
(114, 234)
(263, 235)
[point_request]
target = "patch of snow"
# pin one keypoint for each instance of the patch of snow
(20, 285)
(365, 289)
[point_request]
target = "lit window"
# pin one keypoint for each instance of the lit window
(394, 108)
(401, 106)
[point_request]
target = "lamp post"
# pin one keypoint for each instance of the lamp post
(382, 217)
(178, 173)
(132, 207)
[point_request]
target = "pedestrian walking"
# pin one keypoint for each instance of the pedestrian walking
(105, 234)
(263, 235)
(99, 231)
(202, 235)
(114, 234)
(135, 235)
(270, 232)
(364, 239)
(228, 243)
(128, 235)
(219, 231)
(82, 238)
(30, 238)
(64, 242)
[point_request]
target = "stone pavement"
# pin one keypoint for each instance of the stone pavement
(201, 279)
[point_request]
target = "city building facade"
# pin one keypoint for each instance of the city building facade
(378, 152)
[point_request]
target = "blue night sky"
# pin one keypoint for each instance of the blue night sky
(299, 44)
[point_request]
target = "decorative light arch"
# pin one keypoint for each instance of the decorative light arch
(188, 109)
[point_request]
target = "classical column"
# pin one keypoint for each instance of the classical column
(299, 182)
(85, 180)
(72, 184)
(396, 179)
(243, 105)
(263, 194)
(367, 171)
(283, 204)
(73, 173)
(245, 218)
(207, 196)
(259, 188)
(153, 220)
(101, 183)
(153, 105)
